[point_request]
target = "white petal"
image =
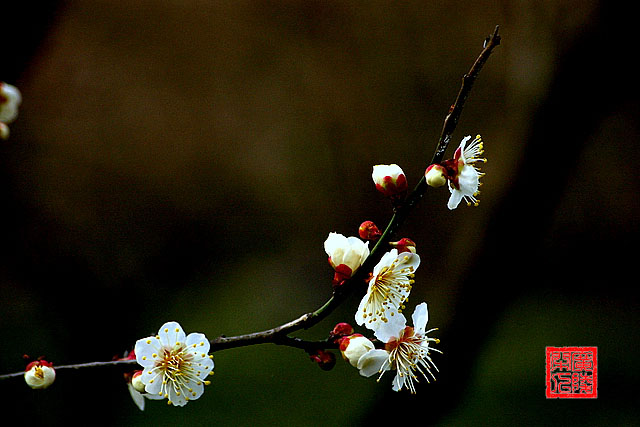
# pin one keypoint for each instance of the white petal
(197, 389)
(137, 397)
(360, 313)
(398, 382)
(408, 260)
(463, 145)
(373, 362)
(333, 242)
(454, 200)
(175, 398)
(386, 260)
(198, 342)
(420, 318)
(145, 349)
(203, 367)
(171, 333)
(153, 396)
(468, 180)
(391, 329)
(152, 381)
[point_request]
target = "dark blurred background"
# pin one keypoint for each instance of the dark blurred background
(185, 160)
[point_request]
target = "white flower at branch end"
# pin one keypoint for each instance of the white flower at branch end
(406, 351)
(346, 255)
(39, 374)
(462, 172)
(389, 288)
(175, 365)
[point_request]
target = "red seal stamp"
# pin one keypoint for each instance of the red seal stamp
(571, 372)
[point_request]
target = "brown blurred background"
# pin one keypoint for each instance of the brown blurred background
(185, 160)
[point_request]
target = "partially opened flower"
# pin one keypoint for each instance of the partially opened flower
(175, 365)
(354, 346)
(346, 255)
(389, 288)
(389, 179)
(406, 351)
(462, 172)
(39, 374)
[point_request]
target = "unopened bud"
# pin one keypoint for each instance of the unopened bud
(389, 179)
(369, 231)
(136, 382)
(435, 175)
(340, 330)
(404, 245)
(354, 346)
(325, 360)
(39, 374)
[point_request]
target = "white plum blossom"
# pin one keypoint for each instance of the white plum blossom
(462, 172)
(175, 365)
(406, 351)
(346, 255)
(389, 288)
(466, 182)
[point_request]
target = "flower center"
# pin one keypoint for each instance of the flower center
(39, 373)
(175, 361)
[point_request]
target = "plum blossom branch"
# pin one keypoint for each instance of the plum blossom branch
(309, 319)
(279, 335)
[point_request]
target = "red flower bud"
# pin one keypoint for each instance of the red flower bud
(325, 360)
(404, 245)
(369, 231)
(340, 330)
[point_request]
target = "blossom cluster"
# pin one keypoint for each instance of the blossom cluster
(401, 348)
(406, 349)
